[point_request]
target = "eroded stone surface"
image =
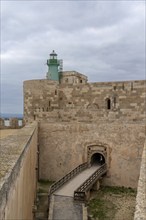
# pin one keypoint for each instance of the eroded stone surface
(140, 213)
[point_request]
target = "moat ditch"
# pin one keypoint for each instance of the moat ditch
(108, 203)
(43, 187)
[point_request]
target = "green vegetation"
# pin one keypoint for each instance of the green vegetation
(44, 186)
(118, 190)
(41, 190)
(44, 181)
(102, 209)
(103, 206)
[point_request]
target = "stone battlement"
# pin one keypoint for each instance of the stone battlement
(11, 123)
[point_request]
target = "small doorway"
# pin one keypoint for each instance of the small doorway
(97, 159)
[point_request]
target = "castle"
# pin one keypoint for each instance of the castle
(70, 121)
(67, 96)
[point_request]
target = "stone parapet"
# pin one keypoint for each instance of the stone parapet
(140, 213)
(18, 162)
(14, 123)
(11, 123)
(2, 125)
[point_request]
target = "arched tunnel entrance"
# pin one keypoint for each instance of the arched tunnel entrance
(97, 159)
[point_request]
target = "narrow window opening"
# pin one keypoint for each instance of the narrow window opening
(49, 103)
(123, 86)
(34, 117)
(55, 92)
(80, 80)
(108, 104)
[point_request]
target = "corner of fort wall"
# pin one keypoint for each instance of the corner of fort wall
(18, 174)
(140, 212)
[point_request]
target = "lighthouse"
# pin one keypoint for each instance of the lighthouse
(53, 67)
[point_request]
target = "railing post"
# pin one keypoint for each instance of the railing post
(87, 193)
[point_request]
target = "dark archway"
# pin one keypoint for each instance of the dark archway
(97, 159)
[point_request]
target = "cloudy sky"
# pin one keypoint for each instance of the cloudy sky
(104, 40)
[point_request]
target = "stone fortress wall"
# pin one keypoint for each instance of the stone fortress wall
(63, 146)
(74, 115)
(44, 99)
(18, 174)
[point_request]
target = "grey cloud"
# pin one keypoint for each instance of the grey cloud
(11, 98)
(102, 39)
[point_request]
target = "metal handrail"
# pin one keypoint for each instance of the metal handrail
(79, 193)
(67, 177)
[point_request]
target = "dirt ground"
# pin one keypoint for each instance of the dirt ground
(6, 132)
(110, 205)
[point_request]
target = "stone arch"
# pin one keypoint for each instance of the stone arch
(98, 149)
